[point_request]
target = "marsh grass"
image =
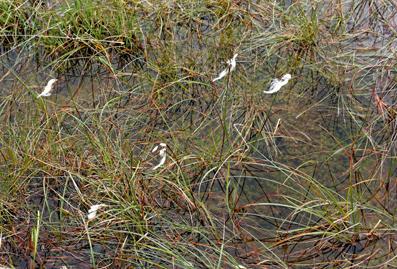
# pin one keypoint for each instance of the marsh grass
(301, 179)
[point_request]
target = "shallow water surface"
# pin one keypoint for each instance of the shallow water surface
(301, 178)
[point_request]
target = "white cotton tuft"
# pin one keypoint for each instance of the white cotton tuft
(93, 211)
(162, 154)
(48, 88)
(230, 68)
(276, 84)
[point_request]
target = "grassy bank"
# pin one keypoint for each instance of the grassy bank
(303, 178)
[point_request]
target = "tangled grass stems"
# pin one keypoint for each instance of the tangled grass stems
(304, 178)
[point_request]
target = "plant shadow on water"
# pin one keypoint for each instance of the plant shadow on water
(302, 178)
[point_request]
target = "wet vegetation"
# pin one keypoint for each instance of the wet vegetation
(303, 178)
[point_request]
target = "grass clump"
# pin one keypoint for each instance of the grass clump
(16, 21)
(300, 179)
(92, 28)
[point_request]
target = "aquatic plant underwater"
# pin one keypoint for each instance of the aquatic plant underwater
(158, 147)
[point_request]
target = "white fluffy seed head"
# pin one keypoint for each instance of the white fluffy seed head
(286, 77)
(93, 210)
(230, 68)
(232, 61)
(48, 88)
(162, 154)
(51, 82)
(276, 84)
(91, 215)
(161, 145)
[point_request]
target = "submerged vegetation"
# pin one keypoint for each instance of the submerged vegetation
(303, 178)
